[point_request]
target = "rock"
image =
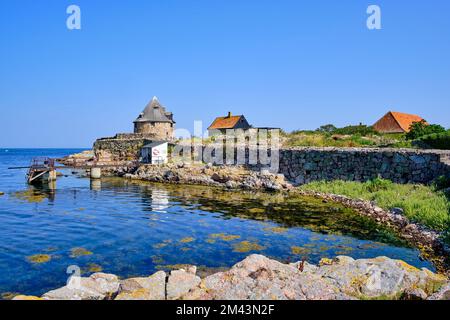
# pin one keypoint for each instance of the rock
(258, 277)
(150, 288)
(442, 294)
(2, 193)
(414, 294)
(192, 270)
(27, 298)
(230, 184)
(397, 211)
(181, 283)
(379, 277)
(307, 267)
(99, 286)
(220, 178)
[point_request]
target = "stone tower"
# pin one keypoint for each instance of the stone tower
(155, 122)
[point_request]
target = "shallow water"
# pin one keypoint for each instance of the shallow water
(135, 228)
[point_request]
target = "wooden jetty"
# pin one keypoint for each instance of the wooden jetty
(43, 169)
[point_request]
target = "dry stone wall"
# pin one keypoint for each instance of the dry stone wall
(303, 165)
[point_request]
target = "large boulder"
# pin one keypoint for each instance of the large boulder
(180, 283)
(99, 286)
(259, 278)
(150, 288)
(442, 294)
(378, 278)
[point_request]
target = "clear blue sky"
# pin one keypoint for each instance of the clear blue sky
(291, 64)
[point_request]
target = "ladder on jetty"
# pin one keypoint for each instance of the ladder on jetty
(41, 169)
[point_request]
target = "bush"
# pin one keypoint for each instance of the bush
(436, 140)
(361, 130)
(422, 128)
(378, 184)
(442, 182)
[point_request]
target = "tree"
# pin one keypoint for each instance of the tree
(328, 128)
(422, 128)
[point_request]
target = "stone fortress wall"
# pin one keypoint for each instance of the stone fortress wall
(303, 165)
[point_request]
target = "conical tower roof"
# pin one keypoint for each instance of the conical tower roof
(154, 112)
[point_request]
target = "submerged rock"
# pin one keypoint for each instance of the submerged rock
(26, 298)
(39, 258)
(78, 252)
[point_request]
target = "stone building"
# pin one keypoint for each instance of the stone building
(221, 124)
(155, 122)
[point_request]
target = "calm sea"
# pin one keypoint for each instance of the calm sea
(134, 229)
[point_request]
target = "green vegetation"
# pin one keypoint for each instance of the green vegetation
(442, 183)
(422, 135)
(350, 136)
(426, 205)
(436, 140)
(422, 128)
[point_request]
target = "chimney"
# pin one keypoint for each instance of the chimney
(229, 114)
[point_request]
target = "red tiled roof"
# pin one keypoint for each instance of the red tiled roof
(228, 122)
(405, 120)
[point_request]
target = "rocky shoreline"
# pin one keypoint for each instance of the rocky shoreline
(428, 241)
(230, 177)
(233, 177)
(260, 278)
(236, 177)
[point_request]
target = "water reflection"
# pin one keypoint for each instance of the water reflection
(96, 184)
(37, 193)
(159, 200)
(285, 210)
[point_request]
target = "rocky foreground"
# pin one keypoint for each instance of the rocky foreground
(260, 278)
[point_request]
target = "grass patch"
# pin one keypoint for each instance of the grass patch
(422, 204)
(324, 139)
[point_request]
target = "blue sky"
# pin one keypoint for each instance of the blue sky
(290, 64)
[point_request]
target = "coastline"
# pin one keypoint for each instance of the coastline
(429, 242)
(299, 281)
